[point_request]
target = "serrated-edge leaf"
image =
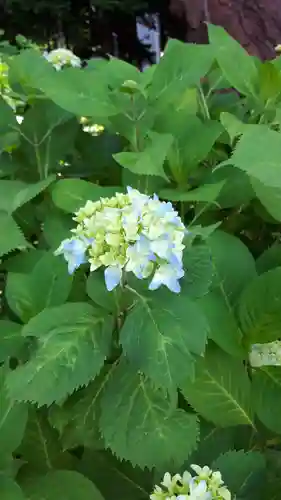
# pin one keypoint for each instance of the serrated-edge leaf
(151, 433)
(73, 342)
(11, 237)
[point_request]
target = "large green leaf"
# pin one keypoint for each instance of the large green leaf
(236, 189)
(47, 285)
(47, 135)
(11, 339)
(234, 266)
(14, 194)
(227, 50)
(11, 237)
(56, 228)
(150, 432)
(213, 442)
(207, 192)
(77, 420)
(132, 481)
(258, 148)
(267, 396)
(224, 329)
(114, 302)
(269, 259)
(8, 125)
(72, 194)
(182, 66)
(72, 343)
(221, 389)
(270, 197)
(259, 308)
(13, 418)
(149, 161)
(161, 335)
(198, 269)
(243, 473)
(9, 489)
(66, 484)
(40, 446)
(78, 91)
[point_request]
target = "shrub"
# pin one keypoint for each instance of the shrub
(104, 393)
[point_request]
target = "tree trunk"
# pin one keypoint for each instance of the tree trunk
(256, 24)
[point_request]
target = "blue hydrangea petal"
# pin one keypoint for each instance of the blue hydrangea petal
(112, 276)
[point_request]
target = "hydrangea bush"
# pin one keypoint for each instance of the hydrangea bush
(140, 275)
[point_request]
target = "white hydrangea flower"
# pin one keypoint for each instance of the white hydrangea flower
(206, 485)
(62, 57)
(268, 354)
(128, 233)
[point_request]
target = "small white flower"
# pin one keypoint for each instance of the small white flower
(62, 57)
(206, 485)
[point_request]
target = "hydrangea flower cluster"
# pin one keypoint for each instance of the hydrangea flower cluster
(205, 485)
(62, 57)
(129, 232)
(268, 354)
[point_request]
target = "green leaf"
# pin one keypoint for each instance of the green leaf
(226, 51)
(198, 269)
(9, 490)
(11, 237)
(266, 151)
(78, 91)
(234, 266)
(77, 420)
(97, 291)
(10, 339)
(193, 140)
(132, 481)
(270, 197)
(243, 473)
(150, 432)
(14, 194)
(259, 308)
(206, 192)
(224, 329)
(66, 484)
(50, 276)
(40, 447)
(72, 194)
(183, 65)
(266, 396)
(161, 335)
(151, 160)
(269, 81)
(56, 228)
(72, 343)
(29, 68)
(13, 418)
(269, 259)
(221, 389)
(48, 285)
(47, 135)
(236, 189)
(213, 442)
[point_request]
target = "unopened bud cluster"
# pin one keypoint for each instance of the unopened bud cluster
(205, 485)
(129, 232)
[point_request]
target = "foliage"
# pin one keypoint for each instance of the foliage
(102, 392)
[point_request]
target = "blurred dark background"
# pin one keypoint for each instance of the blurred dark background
(102, 27)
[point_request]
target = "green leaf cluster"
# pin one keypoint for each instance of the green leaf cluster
(101, 393)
